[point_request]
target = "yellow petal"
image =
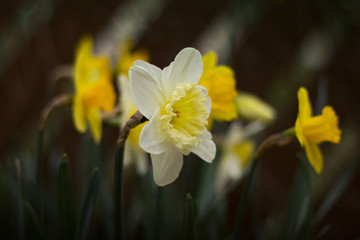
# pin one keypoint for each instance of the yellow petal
(314, 156)
(305, 110)
(209, 61)
(127, 58)
(79, 117)
(94, 118)
(252, 108)
(100, 94)
(221, 86)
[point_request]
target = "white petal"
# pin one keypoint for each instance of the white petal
(152, 140)
(166, 79)
(206, 149)
(188, 67)
(208, 102)
(128, 156)
(141, 161)
(147, 92)
(166, 166)
(126, 99)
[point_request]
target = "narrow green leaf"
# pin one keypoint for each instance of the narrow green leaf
(34, 222)
(18, 204)
(118, 192)
(189, 226)
(243, 200)
(88, 206)
(66, 201)
(335, 193)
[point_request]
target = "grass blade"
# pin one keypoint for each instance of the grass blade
(335, 193)
(66, 201)
(88, 206)
(243, 200)
(189, 228)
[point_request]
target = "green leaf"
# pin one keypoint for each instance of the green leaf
(67, 211)
(34, 222)
(189, 227)
(243, 201)
(335, 193)
(88, 206)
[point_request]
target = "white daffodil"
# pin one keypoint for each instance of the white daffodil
(238, 149)
(132, 152)
(177, 109)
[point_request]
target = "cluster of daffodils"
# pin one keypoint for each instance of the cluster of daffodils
(181, 102)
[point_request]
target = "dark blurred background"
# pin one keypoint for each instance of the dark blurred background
(274, 46)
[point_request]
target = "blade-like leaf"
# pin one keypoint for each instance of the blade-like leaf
(88, 206)
(336, 191)
(189, 227)
(34, 222)
(66, 202)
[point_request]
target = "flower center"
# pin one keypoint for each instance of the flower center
(184, 117)
(322, 128)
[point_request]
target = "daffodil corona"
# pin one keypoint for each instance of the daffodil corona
(310, 131)
(94, 90)
(177, 109)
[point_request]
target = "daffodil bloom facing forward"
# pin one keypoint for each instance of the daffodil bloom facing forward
(220, 83)
(177, 109)
(94, 90)
(133, 151)
(310, 131)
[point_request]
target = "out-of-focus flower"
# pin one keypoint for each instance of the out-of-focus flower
(253, 108)
(93, 89)
(132, 151)
(237, 150)
(127, 58)
(177, 109)
(310, 131)
(220, 83)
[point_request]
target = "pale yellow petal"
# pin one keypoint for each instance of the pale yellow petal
(314, 156)
(305, 110)
(94, 118)
(209, 61)
(79, 117)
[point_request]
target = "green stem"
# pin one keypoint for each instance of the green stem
(118, 193)
(243, 200)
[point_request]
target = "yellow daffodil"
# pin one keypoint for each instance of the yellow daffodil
(93, 87)
(310, 131)
(220, 83)
(177, 109)
(238, 149)
(127, 58)
(132, 151)
(253, 108)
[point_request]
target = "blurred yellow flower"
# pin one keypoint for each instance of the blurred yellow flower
(252, 108)
(310, 131)
(93, 89)
(237, 150)
(220, 83)
(127, 58)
